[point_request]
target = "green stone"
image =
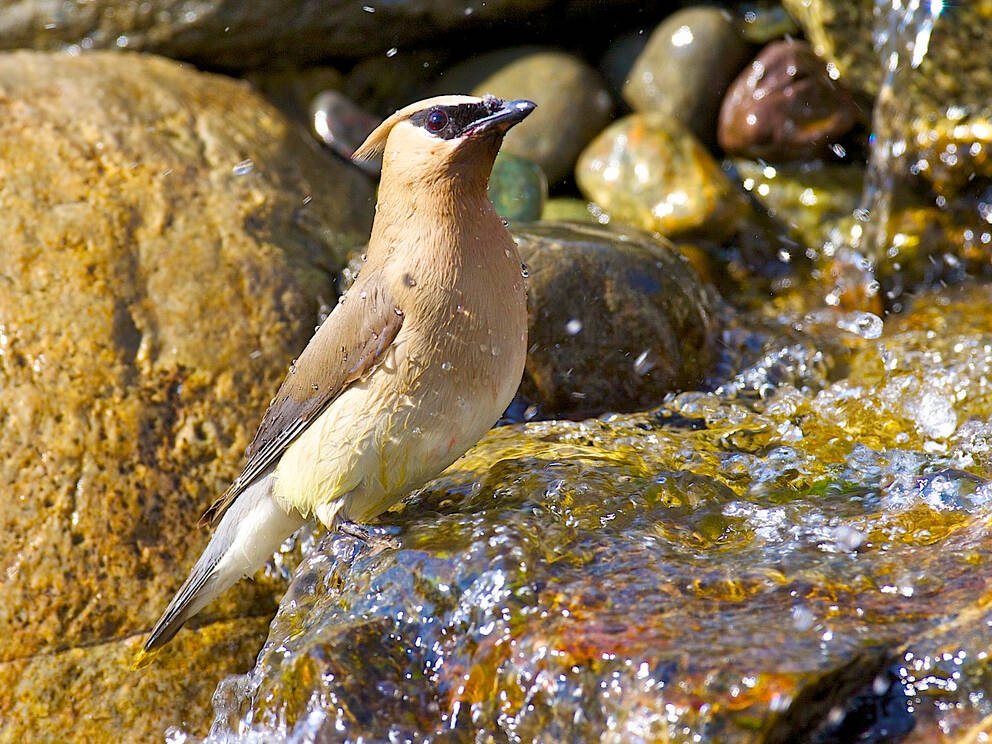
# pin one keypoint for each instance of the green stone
(517, 188)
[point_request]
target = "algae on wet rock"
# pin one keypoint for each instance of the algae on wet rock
(818, 203)
(167, 239)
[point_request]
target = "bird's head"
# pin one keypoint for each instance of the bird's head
(443, 137)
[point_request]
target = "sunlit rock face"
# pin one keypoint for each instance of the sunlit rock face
(166, 237)
(798, 555)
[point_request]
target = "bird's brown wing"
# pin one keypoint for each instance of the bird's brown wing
(350, 343)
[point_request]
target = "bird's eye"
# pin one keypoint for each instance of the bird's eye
(436, 120)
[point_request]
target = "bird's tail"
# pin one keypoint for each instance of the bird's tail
(249, 533)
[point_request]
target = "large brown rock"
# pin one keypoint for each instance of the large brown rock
(167, 237)
(242, 35)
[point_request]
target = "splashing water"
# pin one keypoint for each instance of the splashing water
(902, 39)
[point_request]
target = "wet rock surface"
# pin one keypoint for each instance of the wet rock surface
(686, 66)
(784, 106)
(617, 319)
(650, 172)
(163, 259)
(572, 100)
(794, 556)
(817, 203)
(246, 35)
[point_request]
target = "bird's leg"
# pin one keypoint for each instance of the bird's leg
(377, 539)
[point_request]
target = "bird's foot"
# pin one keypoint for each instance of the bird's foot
(377, 538)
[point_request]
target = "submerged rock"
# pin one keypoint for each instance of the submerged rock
(686, 67)
(617, 319)
(163, 259)
(573, 103)
(784, 106)
(798, 555)
(650, 172)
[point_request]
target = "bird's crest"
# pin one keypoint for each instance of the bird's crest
(375, 143)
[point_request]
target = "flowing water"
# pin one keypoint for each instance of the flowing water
(902, 39)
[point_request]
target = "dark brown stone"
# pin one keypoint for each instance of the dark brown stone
(784, 106)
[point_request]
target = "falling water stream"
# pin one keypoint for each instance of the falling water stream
(902, 39)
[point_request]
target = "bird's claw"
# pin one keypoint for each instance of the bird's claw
(378, 539)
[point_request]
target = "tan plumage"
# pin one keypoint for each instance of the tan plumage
(411, 368)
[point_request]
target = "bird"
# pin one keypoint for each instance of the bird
(418, 359)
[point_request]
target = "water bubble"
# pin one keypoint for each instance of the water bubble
(409, 281)
(446, 366)
(864, 324)
(292, 367)
(364, 294)
(573, 327)
(802, 618)
(524, 270)
(243, 168)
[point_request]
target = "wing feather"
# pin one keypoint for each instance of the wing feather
(346, 348)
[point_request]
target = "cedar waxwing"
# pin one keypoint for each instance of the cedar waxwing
(416, 362)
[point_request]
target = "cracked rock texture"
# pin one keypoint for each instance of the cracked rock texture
(167, 240)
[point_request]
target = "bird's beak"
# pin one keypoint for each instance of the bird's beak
(508, 115)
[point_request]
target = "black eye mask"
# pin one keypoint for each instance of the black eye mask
(448, 122)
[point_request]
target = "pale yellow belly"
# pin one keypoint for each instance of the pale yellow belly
(374, 444)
